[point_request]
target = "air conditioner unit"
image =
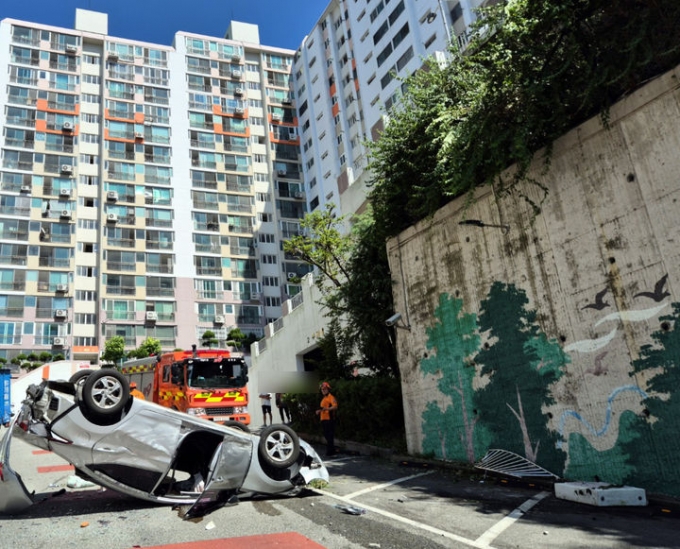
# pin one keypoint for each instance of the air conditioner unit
(276, 116)
(68, 126)
(152, 315)
(26, 188)
(66, 214)
(281, 172)
(148, 122)
(236, 73)
(62, 287)
(112, 56)
(254, 295)
(66, 168)
(71, 48)
(60, 313)
(112, 195)
(58, 341)
(238, 91)
(236, 58)
(299, 195)
(292, 275)
(239, 110)
(139, 135)
(64, 192)
(287, 100)
(219, 319)
(112, 217)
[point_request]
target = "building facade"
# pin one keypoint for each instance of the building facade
(144, 189)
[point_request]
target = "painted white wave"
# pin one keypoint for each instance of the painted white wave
(633, 316)
(591, 345)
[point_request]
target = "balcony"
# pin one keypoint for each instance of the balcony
(20, 143)
(122, 155)
(210, 294)
(127, 115)
(13, 210)
(120, 315)
(209, 271)
(206, 205)
(154, 268)
(157, 158)
(121, 242)
(152, 222)
(13, 312)
(21, 121)
(158, 245)
(121, 290)
(159, 292)
(12, 286)
(121, 266)
(54, 262)
(12, 233)
(159, 179)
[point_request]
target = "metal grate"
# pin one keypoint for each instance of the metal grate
(511, 464)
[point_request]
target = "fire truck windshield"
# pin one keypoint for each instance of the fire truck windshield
(216, 373)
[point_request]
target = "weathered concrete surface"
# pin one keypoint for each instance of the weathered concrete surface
(580, 289)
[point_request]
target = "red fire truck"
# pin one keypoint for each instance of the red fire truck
(207, 383)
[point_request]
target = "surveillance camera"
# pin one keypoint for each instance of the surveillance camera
(393, 319)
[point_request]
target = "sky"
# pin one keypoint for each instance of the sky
(282, 23)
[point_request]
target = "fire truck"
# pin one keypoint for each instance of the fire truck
(206, 383)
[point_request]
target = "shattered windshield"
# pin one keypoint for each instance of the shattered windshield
(216, 373)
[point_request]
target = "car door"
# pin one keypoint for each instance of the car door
(228, 470)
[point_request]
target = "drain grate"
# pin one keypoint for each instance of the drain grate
(513, 465)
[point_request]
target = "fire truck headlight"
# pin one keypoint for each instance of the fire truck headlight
(196, 411)
(240, 409)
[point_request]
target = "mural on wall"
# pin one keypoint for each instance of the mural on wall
(498, 371)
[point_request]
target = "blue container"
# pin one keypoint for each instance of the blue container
(5, 400)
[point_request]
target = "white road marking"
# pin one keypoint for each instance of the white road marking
(413, 523)
(497, 529)
(385, 485)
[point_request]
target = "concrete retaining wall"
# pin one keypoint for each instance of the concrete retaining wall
(555, 336)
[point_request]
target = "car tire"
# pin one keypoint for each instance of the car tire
(279, 446)
(78, 379)
(105, 393)
(237, 425)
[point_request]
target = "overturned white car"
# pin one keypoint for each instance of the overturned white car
(149, 451)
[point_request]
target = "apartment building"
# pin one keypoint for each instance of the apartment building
(144, 188)
(348, 75)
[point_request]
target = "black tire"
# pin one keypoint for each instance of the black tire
(78, 379)
(105, 393)
(236, 425)
(279, 446)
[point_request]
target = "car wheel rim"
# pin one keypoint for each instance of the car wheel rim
(107, 392)
(279, 446)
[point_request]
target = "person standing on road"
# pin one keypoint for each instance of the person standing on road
(136, 392)
(266, 400)
(284, 412)
(326, 413)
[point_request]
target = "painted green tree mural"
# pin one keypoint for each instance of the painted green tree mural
(451, 433)
(518, 366)
(654, 451)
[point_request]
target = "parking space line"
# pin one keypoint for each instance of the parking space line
(386, 484)
(497, 529)
(413, 523)
(55, 468)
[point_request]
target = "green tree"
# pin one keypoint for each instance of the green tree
(236, 338)
(532, 71)
(518, 368)
(45, 356)
(149, 347)
(208, 339)
(451, 433)
(114, 350)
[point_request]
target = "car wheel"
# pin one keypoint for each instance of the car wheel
(105, 393)
(236, 425)
(78, 379)
(279, 446)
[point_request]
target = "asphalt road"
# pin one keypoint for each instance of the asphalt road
(369, 503)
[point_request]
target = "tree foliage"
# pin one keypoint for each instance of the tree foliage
(355, 283)
(533, 70)
(208, 339)
(149, 347)
(114, 350)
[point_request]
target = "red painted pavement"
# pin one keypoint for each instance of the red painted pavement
(55, 468)
(285, 540)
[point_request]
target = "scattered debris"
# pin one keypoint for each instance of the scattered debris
(84, 524)
(513, 465)
(374, 545)
(351, 510)
(74, 481)
(210, 525)
(601, 494)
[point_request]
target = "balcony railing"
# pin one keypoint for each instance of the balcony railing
(152, 268)
(13, 210)
(54, 262)
(14, 312)
(121, 242)
(120, 315)
(210, 294)
(151, 222)
(12, 259)
(121, 290)
(209, 271)
(160, 292)
(159, 245)
(157, 158)
(120, 266)
(13, 286)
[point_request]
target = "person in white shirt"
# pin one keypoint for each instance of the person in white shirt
(266, 399)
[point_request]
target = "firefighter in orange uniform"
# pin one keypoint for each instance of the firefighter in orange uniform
(136, 392)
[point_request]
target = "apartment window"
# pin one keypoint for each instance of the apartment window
(270, 281)
(252, 67)
(91, 98)
(405, 58)
(91, 79)
(262, 197)
(267, 238)
(384, 54)
(89, 138)
(273, 301)
(264, 217)
(90, 118)
(380, 32)
(269, 259)
(92, 60)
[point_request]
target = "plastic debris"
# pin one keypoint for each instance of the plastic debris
(351, 510)
(210, 525)
(74, 481)
(84, 524)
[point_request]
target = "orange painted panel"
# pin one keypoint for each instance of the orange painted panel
(85, 349)
(41, 125)
(216, 109)
(41, 104)
(336, 109)
(333, 89)
(139, 118)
